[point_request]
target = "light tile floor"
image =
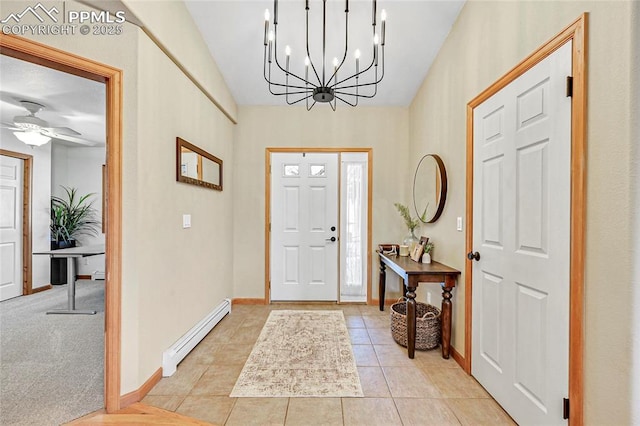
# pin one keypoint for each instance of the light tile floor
(427, 390)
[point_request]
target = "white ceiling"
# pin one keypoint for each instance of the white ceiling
(234, 31)
(69, 100)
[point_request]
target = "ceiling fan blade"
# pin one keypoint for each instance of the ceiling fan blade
(58, 131)
(9, 126)
(72, 139)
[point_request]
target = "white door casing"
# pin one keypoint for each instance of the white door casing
(11, 211)
(304, 218)
(521, 228)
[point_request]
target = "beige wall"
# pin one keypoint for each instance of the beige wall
(383, 129)
(182, 273)
(171, 277)
(635, 208)
(487, 40)
(171, 24)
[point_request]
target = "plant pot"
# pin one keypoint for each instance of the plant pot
(58, 269)
(56, 245)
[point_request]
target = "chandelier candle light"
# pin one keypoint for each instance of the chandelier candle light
(323, 86)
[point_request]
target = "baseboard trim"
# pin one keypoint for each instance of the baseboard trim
(459, 359)
(247, 301)
(39, 289)
(83, 277)
(137, 395)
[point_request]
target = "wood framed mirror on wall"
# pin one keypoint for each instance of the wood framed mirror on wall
(196, 166)
(429, 188)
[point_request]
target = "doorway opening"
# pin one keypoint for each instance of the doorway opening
(318, 224)
(47, 56)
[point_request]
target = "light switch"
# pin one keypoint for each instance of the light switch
(186, 221)
(459, 224)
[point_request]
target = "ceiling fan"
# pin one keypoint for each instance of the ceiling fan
(35, 131)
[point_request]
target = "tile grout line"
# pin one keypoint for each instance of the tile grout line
(286, 411)
(230, 411)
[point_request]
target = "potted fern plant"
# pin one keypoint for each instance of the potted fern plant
(72, 216)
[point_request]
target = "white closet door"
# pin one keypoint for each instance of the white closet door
(11, 207)
(522, 177)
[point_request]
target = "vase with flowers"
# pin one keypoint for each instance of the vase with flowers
(428, 249)
(410, 240)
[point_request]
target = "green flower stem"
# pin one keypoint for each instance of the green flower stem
(406, 215)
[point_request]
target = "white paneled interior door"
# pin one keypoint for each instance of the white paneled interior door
(11, 206)
(521, 229)
(304, 226)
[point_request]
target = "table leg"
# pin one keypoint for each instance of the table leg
(71, 281)
(382, 284)
(71, 292)
(447, 286)
(411, 321)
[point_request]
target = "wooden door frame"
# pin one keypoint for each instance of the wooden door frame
(44, 55)
(26, 219)
(576, 31)
(267, 210)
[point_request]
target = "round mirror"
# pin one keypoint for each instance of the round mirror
(429, 188)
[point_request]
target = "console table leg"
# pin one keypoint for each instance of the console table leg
(446, 318)
(382, 284)
(411, 321)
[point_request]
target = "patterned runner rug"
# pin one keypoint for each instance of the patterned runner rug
(301, 354)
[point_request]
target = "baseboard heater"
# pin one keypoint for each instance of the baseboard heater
(180, 349)
(97, 275)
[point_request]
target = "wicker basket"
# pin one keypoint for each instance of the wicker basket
(427, 325)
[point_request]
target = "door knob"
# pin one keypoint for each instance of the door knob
(331, 239)
(333, 228)
(471, 255)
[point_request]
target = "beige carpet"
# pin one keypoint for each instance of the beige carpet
(51, 366)
(301, 354)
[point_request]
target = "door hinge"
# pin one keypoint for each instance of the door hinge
(565, 408)
(569, 86)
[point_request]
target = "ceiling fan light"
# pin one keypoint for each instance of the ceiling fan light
(32, 138)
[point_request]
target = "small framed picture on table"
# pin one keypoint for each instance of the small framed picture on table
(416, 254)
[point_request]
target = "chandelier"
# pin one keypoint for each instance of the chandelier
(319, 83)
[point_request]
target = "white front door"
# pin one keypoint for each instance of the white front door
(304, 226)
(11, 187)
(521, 229)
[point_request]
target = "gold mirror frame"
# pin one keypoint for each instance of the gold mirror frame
(202, 158)
(439, 184)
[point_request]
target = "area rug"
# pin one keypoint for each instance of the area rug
(301, 354)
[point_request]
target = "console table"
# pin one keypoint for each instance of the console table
(71, 254)
(414, 273)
